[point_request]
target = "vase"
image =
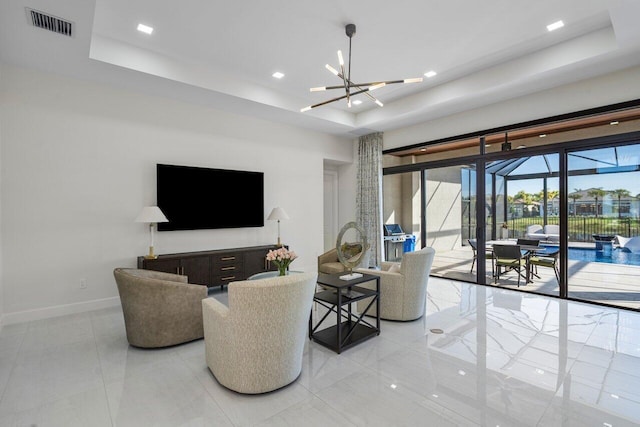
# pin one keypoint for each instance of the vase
(282, 270)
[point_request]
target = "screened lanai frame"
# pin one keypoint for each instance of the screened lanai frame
(505, 163)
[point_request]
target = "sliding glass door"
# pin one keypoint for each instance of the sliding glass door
(577, 205)
(603, 225)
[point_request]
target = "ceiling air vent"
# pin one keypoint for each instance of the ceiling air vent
(50, 22)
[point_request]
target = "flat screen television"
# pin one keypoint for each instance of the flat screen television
(200, 198)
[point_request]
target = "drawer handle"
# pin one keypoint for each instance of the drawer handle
(227, 258)
(228, 268)
(228, 278)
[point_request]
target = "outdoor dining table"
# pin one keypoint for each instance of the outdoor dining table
(527, 251)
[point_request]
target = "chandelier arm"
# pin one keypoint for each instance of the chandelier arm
(366, 92)
(320, 104)
(361, 85)
(345, 85)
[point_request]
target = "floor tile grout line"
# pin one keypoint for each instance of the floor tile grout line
(104, 382)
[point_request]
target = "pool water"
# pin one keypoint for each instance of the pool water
(617, 256)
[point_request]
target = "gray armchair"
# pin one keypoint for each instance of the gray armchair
(403, 293)
(255, 345)
(160, 309)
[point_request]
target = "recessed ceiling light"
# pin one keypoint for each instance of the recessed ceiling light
(145, 29)
(615, 396)
(520, 147)
(543, 135)
(423, 149)
(615, 122)
(539, 371)
(430, 74)
(278, 75)
(393, 386)
(487, 145)
(357, 102)
(461, 372)
(555, 26)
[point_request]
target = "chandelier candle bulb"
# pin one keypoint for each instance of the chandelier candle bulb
(415, 80)
(340, 58)
(330, 68)
(318, 89)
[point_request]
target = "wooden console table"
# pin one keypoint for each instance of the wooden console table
(213, 268)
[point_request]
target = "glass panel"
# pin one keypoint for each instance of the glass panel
(451, 220)
(604, 211)
(523, 194)
(401, 214)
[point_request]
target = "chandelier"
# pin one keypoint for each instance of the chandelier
(352, 89)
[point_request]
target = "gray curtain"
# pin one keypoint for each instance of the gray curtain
(369, 193)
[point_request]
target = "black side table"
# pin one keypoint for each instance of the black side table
(350, 328)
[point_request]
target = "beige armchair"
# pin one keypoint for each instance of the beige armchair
(403, 293)
(328, 262)
(160, 309)
(255, 345)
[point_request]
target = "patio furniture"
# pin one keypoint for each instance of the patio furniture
(510, 257)
(528, 242)
(549, 232)
(548, 259)
(488, 255)
(534, 231)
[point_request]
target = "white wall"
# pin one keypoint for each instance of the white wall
(590, 93)
(78, 163)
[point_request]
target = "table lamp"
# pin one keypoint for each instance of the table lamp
(278, 214)
(151, 215)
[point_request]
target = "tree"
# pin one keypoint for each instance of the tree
(597, 193)
(620, 193)
(575, 196)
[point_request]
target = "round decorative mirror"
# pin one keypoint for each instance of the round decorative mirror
(351, 245)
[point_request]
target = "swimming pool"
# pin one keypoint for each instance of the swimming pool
(617, 256)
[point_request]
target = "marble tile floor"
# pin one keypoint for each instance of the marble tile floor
(504, 358)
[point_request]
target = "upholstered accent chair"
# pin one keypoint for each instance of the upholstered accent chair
(403, 287)
(328, 262)
(255, 344)
(160, 309)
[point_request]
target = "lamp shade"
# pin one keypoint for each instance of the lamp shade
(151, 214)
(278, 213)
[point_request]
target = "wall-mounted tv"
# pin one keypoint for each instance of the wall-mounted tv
(200, 198)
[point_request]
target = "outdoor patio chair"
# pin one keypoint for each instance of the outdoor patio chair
(511, 258)
(488, 255)
(528, 242)
(548, 259)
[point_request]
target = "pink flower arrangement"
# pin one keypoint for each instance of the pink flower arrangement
(281, 258)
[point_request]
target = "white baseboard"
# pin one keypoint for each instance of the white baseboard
(58, 310)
